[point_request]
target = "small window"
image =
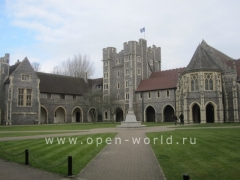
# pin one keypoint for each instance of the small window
(167, 93)
(127, 71)
(138, 59)
(99, 87)
(118, 73)
(105, 86)
(25, 77)
(139, 71)
(105, 75)
(127, 96)
(62, 96)
(149, 94)
(49, 96)
(105, 63)
(74, 97)
(126, 84)
(118, 85)
(140, 96)
(158, 94)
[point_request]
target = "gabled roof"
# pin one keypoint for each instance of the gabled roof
(59, 84)
(13, 67)
(201, 60)
(160, 80)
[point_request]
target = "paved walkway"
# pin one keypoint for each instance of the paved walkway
(124, 160)
(115, 161)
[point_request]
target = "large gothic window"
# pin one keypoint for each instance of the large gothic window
(208, 81)
(194, 82)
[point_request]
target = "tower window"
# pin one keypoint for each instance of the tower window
(126, 84)
(127, 71)
(127, 96)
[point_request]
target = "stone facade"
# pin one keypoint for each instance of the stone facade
(135, 62)
(206, 91)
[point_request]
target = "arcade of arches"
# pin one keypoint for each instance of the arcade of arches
(168, 113)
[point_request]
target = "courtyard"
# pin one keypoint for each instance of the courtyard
(159, 151)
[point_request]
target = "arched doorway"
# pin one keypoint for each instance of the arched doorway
(43, 115)
(59, 115)
(196, 113)
(77, 115)
(92, 115)
(119, 115)
(168, 114)
(150, 114)
(210, 113)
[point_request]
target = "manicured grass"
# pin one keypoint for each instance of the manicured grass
(215, 155)
(75, 126)
(151, 124)
(209, 125)
(47, 156)
(22, 133)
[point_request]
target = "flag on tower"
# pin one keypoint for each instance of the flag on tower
(142, 30)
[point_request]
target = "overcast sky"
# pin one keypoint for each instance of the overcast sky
(50, 31)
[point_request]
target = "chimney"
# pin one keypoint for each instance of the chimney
(85, 77)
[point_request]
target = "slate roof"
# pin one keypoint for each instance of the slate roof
(59, 84)
(201, 60)
(160, 80)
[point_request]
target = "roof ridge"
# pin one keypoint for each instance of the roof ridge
(59, 75)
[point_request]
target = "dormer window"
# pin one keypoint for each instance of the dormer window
(25, 77)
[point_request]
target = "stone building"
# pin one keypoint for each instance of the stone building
(135, 62)
(29, 97)
(205, 91)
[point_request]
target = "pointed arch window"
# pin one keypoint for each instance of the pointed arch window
(208, 81)
(194, 82)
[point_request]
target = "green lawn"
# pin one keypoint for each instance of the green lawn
(75, 126)
(52, 127)
(209, 125)
(215, 156)
(23, 133)
(44, 156)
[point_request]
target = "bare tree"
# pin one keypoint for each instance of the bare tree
(76, 67)
(36, 66)
(98, 104)
(110, 104)
(94, 101)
